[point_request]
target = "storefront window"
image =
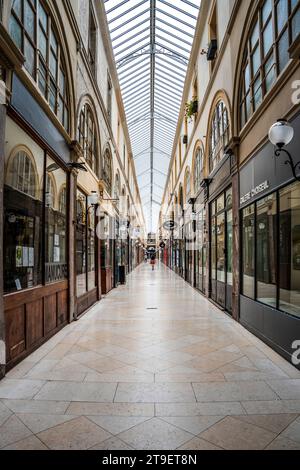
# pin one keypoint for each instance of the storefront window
(23, 218)
(85, 245)
(221, 247)
(289, 250)
(249, 251)
(56, 268)
(81, 261)
(229, 242)
(273, 261)
(266, 250)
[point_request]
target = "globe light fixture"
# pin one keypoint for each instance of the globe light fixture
(281, 134)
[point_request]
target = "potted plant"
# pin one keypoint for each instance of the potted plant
(191, 108)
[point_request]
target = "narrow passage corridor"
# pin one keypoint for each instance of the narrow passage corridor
(154, 365)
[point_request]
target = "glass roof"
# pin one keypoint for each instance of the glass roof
(152, 41)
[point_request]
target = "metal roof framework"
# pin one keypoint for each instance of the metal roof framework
(152, 42)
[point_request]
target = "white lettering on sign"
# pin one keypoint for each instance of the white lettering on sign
(254, 192)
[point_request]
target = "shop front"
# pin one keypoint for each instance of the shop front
(36, 227)
(221, 236)
(200, 263)
(107, 253)
(270, 248)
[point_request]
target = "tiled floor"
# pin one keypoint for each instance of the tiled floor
(153, 366)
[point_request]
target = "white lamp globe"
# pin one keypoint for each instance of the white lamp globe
(281, 133)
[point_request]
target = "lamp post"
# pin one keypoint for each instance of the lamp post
(280, 135)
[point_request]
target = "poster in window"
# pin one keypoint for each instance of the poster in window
(31, 257)
(56, 240)
(19, 258)
(25, 253)
(56, 254)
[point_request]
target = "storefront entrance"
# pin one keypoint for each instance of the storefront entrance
(221, 250)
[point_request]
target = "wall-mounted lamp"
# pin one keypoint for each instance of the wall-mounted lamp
(280, 135)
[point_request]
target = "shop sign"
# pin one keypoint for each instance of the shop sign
(254, 192)
(170, 225)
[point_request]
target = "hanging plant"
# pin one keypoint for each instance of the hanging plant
(191, 108)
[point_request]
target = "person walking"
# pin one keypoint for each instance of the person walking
(153, 262)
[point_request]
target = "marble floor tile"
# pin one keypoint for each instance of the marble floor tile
(155, 434)
(273, 423)
(112, 443)
(29, 443)
(281, 443)
(194, 425)
(35, 406)
(111, 409)
(40, 422)
(286, 389)
(233, 434)
(234, 391)
(292, 432)
(154, 393)
(73, 391)
(20, 388)
(117, 424)
(13, 430)
(78, 434)
(199, 444)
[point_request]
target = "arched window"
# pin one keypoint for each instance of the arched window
(22, 175)
(33, 31)
(107, 170)
(276, 26)
(219, 135)
(198, 169)
(187, 185)
(87, 137)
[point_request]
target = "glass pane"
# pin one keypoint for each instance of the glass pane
(52, 97)
(257, 93)
(268, 38)
(248, 251)
(221, 247)
(15, 32)
(270, 73)
(23, 222)
(17, 7)
(290, 249)
(81, 261)
(42, 79)
(282, 14)
(255, 36)
(56, 268)
(283, 53)
(256, 60)
(43, 17)
(29, 20)
(266, 250)
(91, 252)
(29, 53)
(229, 241)
(296, 24)
(220, 203)
(266, 10)
(213, 249)
(247, 77)
(43, 43)
(53, 65)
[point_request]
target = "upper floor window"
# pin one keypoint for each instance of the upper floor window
(117, 189)
(87, 137)
(276, 26)
(92, 42)
(107, 170)
(198, 169)
(32, 29)
(219, 135)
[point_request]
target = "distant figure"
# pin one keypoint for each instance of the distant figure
(146, 258)
(153, 261)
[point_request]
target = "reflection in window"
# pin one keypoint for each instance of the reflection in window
(266, 250)
(249, 251)
(23, 215)
(289, 249)
(276, 28)
(198, 170)
(32, 29)
(107, 170)
(56, 268)
(219, 135)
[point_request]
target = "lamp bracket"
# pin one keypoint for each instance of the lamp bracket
(290, 161)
